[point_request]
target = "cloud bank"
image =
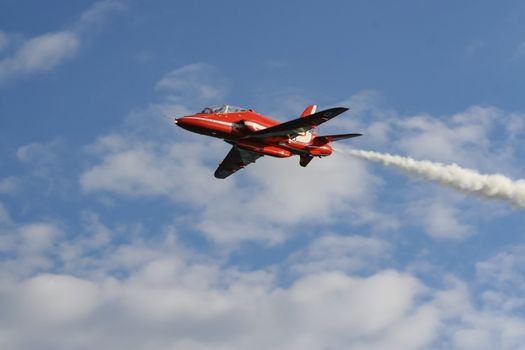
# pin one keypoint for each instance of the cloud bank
(337, 271)
(94, 289)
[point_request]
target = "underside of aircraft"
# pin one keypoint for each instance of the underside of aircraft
(253, 135)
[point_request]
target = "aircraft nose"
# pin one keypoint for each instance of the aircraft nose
(184, 122)
(179, 121)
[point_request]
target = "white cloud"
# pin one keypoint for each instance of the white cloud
(502, 301)
(55, 298)
(4, 41)
(194, 84)
(137, 168)
(464, 139)
(285, 103)
(46, 167)
(504, 272)
(344, 253)
(481, 137)
(367, 115)
(178, 170)
(515, 126)
(467, 326)
(178, 300)
(171, 298)
(440, 218)
(4, 215)
(519, 51)
(40, 154)
(46, 51)
(40, 53)
(28, 239)
(98, 12)
(183, 91)
(470, 138)
(133, 172)
(27, 246)
(484, 330)
(271, 193)
(284, 184)
(9, 184)
(99, 234)
(442, 222)
(37, 237)
(142, 293)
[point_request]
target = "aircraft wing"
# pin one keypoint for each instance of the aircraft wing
(235, 160)
(300, 125)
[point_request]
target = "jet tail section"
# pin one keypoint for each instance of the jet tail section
(309, 110)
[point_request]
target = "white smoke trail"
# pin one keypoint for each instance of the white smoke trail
(466, 180)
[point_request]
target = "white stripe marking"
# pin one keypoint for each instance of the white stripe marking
(211, 120)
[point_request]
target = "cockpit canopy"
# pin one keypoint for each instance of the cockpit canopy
(223, 109)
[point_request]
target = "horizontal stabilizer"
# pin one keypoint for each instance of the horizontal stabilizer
(329, 138)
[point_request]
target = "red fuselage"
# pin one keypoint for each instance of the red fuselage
(236, 127)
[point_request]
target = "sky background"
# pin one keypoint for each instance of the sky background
(114, 233)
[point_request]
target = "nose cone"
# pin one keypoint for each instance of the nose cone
(189, 122)
(182, 122)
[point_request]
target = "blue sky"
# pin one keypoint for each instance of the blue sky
(114, 232)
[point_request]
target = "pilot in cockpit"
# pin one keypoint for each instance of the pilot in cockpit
(222, 109)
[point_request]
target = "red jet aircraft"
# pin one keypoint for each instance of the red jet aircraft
(253, 135)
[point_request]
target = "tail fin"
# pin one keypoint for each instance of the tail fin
(309, 110)
(330, 138)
